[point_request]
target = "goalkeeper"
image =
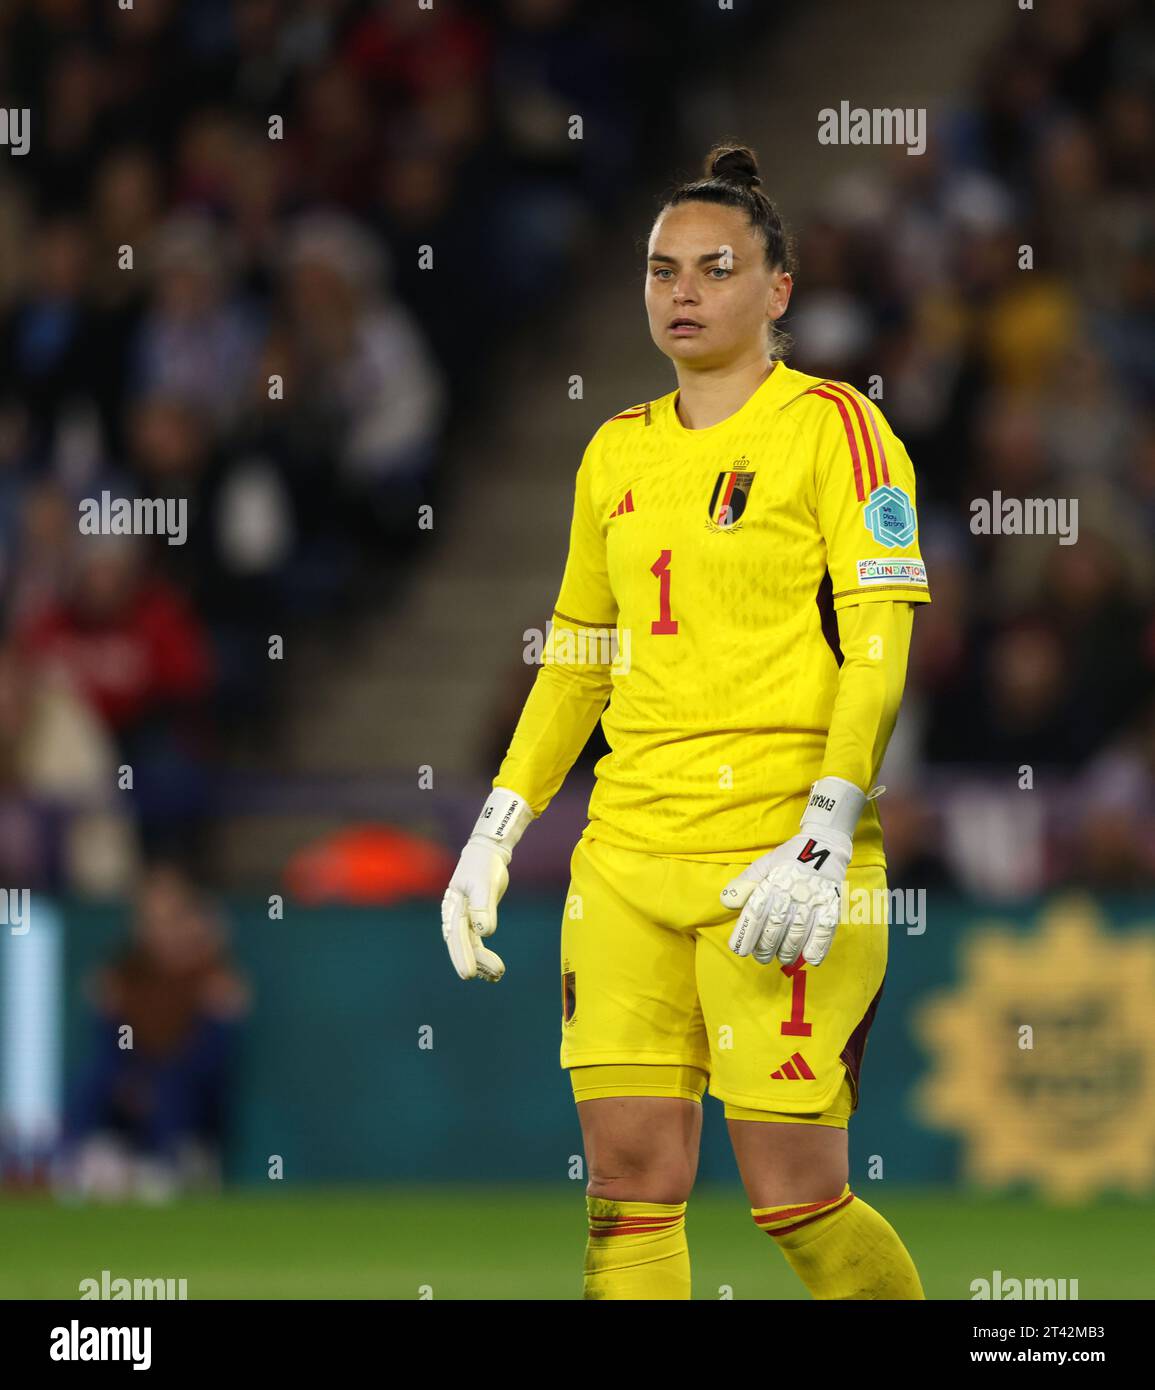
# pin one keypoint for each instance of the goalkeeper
(754, 536)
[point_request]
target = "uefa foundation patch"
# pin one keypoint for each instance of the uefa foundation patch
(877, 571)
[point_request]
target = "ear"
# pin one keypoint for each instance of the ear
(778, 295)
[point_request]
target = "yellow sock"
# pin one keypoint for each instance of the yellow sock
(842, 1248)
(636, 1250)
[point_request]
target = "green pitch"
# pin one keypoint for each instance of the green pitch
(527, 1243)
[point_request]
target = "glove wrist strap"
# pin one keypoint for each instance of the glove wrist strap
(503, 819)
(834, 805)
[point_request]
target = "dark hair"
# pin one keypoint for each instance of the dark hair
(731, 178)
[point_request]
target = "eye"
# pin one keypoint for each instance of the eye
(720, 268)
(661, 270)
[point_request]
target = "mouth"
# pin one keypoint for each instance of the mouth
(685, 327)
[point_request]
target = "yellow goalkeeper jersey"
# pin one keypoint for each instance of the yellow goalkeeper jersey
(717, 556)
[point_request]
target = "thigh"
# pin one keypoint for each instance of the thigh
(787, 1039)
(629, 990)
(789, 1162)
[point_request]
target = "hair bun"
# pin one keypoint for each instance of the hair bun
(733, 164)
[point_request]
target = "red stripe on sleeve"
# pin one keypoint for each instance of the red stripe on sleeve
(852, 397)
(848, 426)
(877, 439)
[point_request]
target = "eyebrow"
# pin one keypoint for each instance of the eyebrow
(702, 260)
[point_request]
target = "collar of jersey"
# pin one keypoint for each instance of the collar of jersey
(776, 386)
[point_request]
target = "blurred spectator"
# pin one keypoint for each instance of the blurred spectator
(48, 337)
(913, 859)
(148, 1116)
(358, 427)
(195, 342)
(40, 554)
(65, 825)
(1111, 845)
(134, 651)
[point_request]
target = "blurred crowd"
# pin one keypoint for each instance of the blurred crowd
(1002, 287)
(214, 286)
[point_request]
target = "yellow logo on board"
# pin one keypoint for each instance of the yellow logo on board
(1045, 1055)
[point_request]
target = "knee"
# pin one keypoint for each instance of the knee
(641, 1150)
(664, 1183)
(783, 1189)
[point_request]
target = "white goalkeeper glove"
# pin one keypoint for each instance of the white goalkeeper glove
(469, 907)
(790, 899)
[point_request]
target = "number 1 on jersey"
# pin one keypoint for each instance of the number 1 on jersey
(664, 623)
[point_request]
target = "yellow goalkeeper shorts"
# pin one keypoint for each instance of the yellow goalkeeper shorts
(648, 980)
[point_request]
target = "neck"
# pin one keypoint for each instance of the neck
(706, 398)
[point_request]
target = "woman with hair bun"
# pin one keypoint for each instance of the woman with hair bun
(740, 586)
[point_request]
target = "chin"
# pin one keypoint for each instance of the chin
(685, 347)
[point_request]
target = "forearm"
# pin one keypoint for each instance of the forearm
(561, 711)
(875, 642)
